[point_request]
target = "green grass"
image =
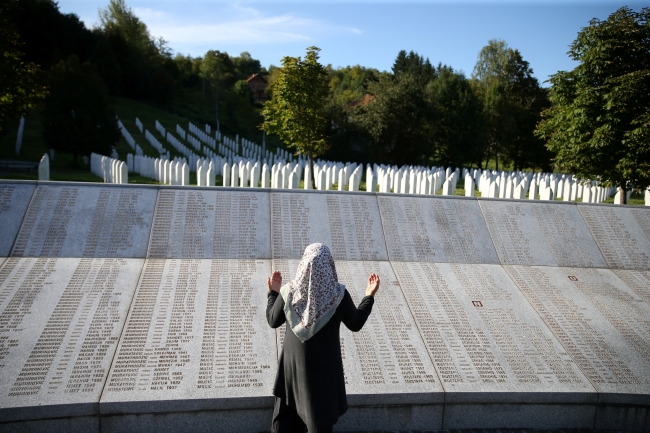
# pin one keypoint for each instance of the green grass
(636, 199)
(33, 146)
(61, 167)
(128, 109)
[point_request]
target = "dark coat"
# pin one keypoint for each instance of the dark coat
(310, 374)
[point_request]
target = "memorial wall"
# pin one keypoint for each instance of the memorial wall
(142, 308)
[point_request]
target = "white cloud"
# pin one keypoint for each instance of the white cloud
(242, 25)
(149, 15)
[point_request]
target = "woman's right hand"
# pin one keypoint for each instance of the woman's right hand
(373, 285)
(275, 282)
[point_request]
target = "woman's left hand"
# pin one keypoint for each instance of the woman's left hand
(373, 285)
(275, 282)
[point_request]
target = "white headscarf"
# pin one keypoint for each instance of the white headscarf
(311, 298)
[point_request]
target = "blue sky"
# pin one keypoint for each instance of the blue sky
(369, 33)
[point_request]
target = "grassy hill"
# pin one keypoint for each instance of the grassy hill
(33, 146)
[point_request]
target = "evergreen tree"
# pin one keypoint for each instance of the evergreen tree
(414, 65)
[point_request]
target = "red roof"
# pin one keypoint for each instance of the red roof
(367, 99)
(256, 77)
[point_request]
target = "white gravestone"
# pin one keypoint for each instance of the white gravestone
(255, 176)
(307, 180)
(469, 186)
(44, 168)
(234, 175)
(209, 177)
(200, 177)
(519, 192)
(124, 173)
(533, 191)
(265, 176)
(19, 135)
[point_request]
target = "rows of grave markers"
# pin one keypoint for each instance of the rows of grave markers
(258, 167)
(257, 164)
(242, 163)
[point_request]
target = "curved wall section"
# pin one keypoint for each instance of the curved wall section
(141, 308)
(14, 199)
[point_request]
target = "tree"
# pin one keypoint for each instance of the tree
(350, 83)
(398, 116)
(118, 18)
(491, 83)
(599, 124)
(527, 99)
(50, 36)
(414, 65)
(398, 119)
(456, 129)
(219, 71)
(77, 118)
(512, 101)
(246, 65)
(297, 112)
(20, 86)
(145, 62)
(348, 89)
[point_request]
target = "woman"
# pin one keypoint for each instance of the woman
(309, 387)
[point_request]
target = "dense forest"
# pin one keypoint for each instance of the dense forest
(417, 113)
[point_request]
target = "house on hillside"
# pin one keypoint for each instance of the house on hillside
(258, 84)
(368, 98)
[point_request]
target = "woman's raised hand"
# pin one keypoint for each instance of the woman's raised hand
(275, 282)
(373, 285)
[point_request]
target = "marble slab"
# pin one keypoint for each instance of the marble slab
(639, 281)
(386, 362)
(347, 222)
(76, 220)
(14, 199)
(196, 337)
(441, 230)
(60, 320)
(622, 234)
(542, 234)
(603, 324)
(487, 343)
(197, 223)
